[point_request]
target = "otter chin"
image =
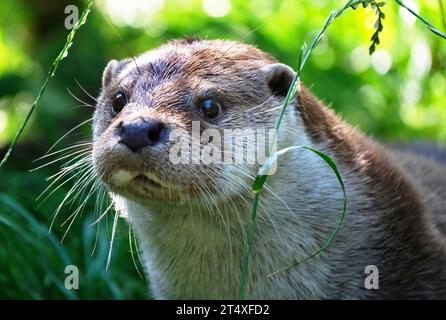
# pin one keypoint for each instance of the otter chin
(126, 180)
(189, 203)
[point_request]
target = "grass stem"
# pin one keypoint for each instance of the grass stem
(51, 73)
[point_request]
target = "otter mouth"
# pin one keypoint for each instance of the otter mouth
(142, 179)
(122, 179)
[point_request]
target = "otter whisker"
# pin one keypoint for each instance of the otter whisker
(259, 105)
(265, 111)
(102, 215)
(83, 103)
(81, 151)
(77, 145)
(66, 134)
(80, 166)
(72, 169)
(83, 186)
(73, 216)
(131, 237)
(79, 210)
(80, 189)
(115, 224)
(67, 196)
(86, 92)
(55, 189)
(96, 239)
(101, 198)
(138, 251)
(61, 175)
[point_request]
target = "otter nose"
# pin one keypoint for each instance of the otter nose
(140, 133)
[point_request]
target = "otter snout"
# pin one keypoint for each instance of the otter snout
(138, 133)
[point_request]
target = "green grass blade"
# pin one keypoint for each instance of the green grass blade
(51, 73)
(247, 247)
(261, 179)
(426, 23)
(443, 18)
(38, 227)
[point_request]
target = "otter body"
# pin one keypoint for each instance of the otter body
(191, 219)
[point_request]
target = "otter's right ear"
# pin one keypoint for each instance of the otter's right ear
(109, 72)
(279, 77)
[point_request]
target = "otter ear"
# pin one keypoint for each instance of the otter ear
(109, 72)
(278, 77)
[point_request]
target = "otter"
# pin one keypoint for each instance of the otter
(190, 219)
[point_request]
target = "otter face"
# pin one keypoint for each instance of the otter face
(151, 102)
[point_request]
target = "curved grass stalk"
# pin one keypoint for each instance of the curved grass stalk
(132, 250)
(260, 181)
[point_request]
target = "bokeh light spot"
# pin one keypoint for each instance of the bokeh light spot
(217, 8)
(381, 61)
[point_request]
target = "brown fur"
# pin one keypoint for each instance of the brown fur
(396, 200)
(406, 192)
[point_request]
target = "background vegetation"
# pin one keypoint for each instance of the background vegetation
(396, 94)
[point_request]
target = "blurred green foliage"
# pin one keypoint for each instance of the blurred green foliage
(396, 94)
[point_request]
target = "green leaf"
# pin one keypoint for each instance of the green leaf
(258, 183)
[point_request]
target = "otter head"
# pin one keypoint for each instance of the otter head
(150, 103)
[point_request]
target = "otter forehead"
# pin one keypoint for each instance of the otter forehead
(206, 59)
(182, 74)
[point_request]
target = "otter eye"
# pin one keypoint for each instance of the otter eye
(210, 108)
(119, 101)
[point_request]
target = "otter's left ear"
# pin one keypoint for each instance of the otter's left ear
(278, 77)
(111, 70)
